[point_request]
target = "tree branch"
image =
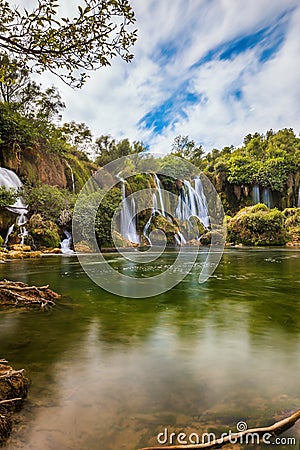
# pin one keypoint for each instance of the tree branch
(275, 430)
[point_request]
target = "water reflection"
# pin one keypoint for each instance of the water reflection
(108, 372)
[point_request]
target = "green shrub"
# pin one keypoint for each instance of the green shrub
(258, 225)
(7, 196)
(48, 201)
(85, 211)
(44, 233)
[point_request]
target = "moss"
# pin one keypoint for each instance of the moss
(259, 207)
(29, 171)
(289, 212)
(80, 171)
(258, 225)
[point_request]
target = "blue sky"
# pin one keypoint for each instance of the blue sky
(211, 69)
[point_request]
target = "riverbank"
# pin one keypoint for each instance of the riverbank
(19, 251)
(136, 355)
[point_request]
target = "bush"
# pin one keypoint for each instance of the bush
(258, 225)
(85, 210)
(7, 196)
(48, 201)
(44, 233)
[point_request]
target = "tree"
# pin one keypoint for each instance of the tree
(12, 79)
(43, 39)
(187, 149)
(76, 134)
(25, 95)
(108, 149)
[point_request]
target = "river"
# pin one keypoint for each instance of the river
(111, 373)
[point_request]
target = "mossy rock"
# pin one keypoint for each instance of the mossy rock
(292, 218)
(162, 226)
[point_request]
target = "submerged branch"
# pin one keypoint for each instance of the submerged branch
(11, 400)
(10, 373)
(21, 295)
(274, 430)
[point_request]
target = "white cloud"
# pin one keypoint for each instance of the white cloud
(115, 99)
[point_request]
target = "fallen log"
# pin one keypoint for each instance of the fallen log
(19, 294)
(273, 430)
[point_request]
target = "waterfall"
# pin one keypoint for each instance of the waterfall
(9, 231)
(298, 201)
(266, 197)
(255, 194)
(72, 176)
(180, 238)
(128, 225)
(157, 206)
(202, 203)
(10, 180)
(65, 244)
(192, 202)
(160, 203)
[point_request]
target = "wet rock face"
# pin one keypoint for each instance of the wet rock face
(7, 218)
(39, 167)
(34, 165)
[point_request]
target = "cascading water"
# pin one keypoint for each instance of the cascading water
(192, 202)
(147, 226)
(158, 207)
(72, 176)
(266, 197)
(66, 243)
(159, 193)
(255, 194)
(202, 203)
(10, 180)
(9, 231)
(128, 225)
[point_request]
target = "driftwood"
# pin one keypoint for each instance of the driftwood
(11, 373)
(21, 295)
(274, 430)
(2, 402)
(13, 391)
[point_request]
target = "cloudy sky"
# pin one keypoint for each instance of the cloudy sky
(214, 70)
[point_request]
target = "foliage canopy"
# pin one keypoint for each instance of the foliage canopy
(44, 39)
